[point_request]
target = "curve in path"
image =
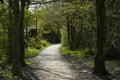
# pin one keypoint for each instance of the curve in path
(51, 65)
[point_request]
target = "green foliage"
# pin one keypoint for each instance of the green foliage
(47, 19)
(64, 38)
(7, 73)
(112, 32)
(28, 18)
(37, 43)
(80, 23)
(33, 43)
(5, 70)
(76, 53)
(31, 52)
(35, 46)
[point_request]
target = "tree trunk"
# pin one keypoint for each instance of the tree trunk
(10, 35)
(36, 23)
(22, 46)
(99, 67)
(16, 38)
(16, 35)
(68, 31)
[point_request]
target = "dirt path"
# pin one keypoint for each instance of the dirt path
(51, 65)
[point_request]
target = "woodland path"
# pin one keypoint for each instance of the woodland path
(51, 65)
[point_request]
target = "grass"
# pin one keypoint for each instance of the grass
(75, 53)
(31, 52)
(35, 48)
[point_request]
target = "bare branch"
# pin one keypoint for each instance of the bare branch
(42, 2)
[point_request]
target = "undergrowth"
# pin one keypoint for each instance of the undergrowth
(34, 49)
(31, 52)
(76, 53)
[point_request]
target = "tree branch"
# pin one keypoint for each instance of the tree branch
(42, 2)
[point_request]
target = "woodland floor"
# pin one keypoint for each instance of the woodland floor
(50, 64)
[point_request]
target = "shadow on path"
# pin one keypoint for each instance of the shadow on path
(29, 75)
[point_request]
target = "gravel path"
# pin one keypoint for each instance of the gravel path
(51, 65)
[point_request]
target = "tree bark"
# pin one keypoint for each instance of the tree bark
(16, 35)
(22, 42)
(68, 31)
(99, 67)
(16, 38)
(10, 35)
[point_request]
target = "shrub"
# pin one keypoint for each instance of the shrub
(64, 38)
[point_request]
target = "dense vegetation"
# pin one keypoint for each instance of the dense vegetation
(86, 28)
(89, 27)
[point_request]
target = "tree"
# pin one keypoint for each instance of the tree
(16, 34)
(79, 23)
(1, 1)
(22, 42)
(14, 38)
(99, 66)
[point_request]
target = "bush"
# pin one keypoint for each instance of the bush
(64, 38)
(34, 47)
(76, 53)
(31, 52)
(37, 43)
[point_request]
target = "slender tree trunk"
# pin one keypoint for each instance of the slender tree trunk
(22, 46)
(36, 22)
(99, 67)
(68, 32)
(10, 35)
